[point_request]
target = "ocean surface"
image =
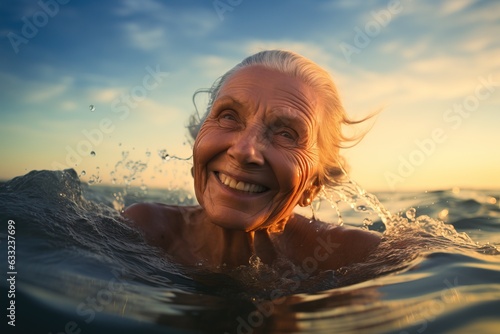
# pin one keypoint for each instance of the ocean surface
(76, 267)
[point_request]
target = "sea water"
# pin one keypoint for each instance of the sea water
(79, 268)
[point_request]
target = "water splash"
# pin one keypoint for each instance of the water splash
(125, 172)
(395, 224)
(95, 178)
(359, 200)
(130, 172)
(411, 214)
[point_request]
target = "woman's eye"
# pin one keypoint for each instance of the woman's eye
(227, 118)
(288, 135)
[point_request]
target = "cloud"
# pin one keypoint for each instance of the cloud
(196, 22)
(212, 66)
(46, 91)
(130, 7)
(485, 14)
(345, 4)
(145, 38)
(105, 95)
(464, 12)
(154, 113)
(477, 44)
(150, 22)
(408, 51)
(423, 80)
(450, 7)
(68, 105)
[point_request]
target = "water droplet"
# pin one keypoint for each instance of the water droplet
(367, 222)
(83, 173)
(92, 107)
(443, 214)
(164, 155)
(411, 214)
(491, 200)
(342, 271)
(92, 153)
(361, 208)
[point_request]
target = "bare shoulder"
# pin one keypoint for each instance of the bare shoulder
(333, 246)
(146, 213)
(355, 243)
(156, 221)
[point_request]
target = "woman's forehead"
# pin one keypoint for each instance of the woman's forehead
(255, 82)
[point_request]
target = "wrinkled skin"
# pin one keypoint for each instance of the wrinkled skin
(255, 159)
(261, 130)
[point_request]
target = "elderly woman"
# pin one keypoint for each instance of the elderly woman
(269, 142)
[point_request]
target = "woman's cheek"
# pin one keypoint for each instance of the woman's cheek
(205, 143)
(307, 165)
(290, 168)
(201, 157)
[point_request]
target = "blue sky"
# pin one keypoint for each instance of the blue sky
(433, 67)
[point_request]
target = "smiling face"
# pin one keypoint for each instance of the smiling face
(256, 157)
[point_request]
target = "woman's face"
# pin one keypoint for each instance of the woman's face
(256, 152)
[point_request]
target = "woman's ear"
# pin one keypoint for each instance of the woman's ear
(310, 193)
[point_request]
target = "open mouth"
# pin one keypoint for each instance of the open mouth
(239, 185)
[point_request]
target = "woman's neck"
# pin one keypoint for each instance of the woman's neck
(232, 248)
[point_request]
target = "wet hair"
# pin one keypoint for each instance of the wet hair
(332, 167)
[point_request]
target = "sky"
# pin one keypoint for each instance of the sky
(106, 87)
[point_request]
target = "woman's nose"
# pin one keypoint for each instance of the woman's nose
(248, 148)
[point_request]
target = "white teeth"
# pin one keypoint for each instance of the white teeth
(232, 183)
